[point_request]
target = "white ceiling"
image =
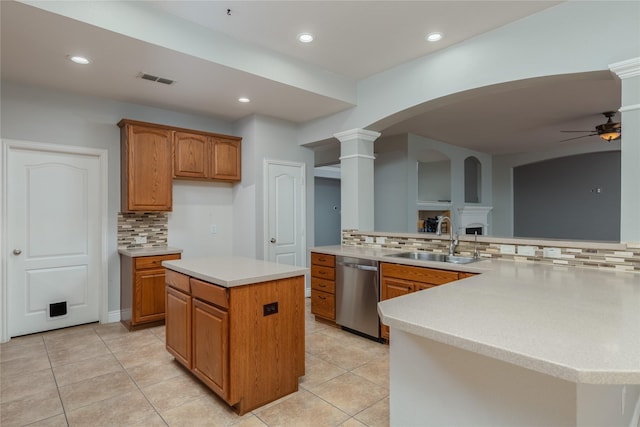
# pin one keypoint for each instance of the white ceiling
(215, 57)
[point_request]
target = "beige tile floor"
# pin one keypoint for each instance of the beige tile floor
(103, 375)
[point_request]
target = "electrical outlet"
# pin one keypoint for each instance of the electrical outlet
(527, 250)
(381, 240)
(140, 239)
(213, 229)
(368, 239)
(508, 249)
(552, 252)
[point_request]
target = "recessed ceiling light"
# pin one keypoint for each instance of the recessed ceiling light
(244, 99)
(79, 59)
(305, 38)
(434, 37)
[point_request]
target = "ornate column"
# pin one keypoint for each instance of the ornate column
(356, 165)
(629, 73)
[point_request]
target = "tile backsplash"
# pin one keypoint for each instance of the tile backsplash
(608, 256)
(140, 225)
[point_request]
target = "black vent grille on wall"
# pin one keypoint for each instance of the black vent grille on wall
(157, 79)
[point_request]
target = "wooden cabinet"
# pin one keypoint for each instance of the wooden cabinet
(211, 346)
(146, 166)
(323, 286)
(225, 159)
(246, 343)
(142, 293)
(190, 155)
(205, 156)
(397, 280)
(178, 325)
(153, 154)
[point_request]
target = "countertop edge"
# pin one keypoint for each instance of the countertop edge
(596, 377)
(156, 251)
(246, 280)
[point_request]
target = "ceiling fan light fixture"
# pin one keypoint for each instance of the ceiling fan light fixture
(609, 136)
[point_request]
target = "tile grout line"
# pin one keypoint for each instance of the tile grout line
(55, 380)
(131, 378)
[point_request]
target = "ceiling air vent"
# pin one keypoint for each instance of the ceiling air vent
(153, 78)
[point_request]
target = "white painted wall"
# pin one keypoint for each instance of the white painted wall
(35, 114)
(273, 139)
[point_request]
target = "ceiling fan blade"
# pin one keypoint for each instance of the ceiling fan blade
(577, 137)
(576, 131)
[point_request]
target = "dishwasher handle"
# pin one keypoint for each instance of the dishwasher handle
(358, 266)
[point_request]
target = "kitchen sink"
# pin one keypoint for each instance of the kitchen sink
(430, 256)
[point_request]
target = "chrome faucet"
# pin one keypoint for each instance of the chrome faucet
(453, 243)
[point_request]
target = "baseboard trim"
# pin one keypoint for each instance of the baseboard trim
(113, 316)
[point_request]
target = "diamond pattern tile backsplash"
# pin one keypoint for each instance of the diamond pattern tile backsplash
(150, 225)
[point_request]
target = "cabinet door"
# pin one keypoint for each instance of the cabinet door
(211, 346)
(191, 155)
(225, 159)
(392, 288)
(147, 169)
(178, 326)
(149, 296)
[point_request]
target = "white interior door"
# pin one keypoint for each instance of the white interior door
(53, 239)
(285, 200)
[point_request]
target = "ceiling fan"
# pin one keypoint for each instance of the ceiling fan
(608, 131)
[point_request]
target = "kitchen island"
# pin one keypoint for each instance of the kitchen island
(520, 344)
(238, 325)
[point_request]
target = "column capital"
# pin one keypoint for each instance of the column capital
(357, 134)
(626, 69)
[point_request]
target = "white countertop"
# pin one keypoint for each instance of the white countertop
(581, 325)
(233, 271)
(138, 252)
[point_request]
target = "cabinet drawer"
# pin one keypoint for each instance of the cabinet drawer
(177, 280)
(322, 259)
(323, 304)
(323, 285)
(321, 272)
(419, 274)
(153, 261)
(210, 293)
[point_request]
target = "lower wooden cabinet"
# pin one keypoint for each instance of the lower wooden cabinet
(323, 286)
(397, 280)
(142, 293)
(211, 346)
(178, 326)
(246, 343)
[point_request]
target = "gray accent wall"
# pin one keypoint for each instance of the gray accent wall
(327, 212)
(574, 197)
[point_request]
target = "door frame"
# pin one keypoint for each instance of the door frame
(9, 145)
(265, 205)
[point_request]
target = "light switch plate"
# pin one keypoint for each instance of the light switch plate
(527, 250)
(381, 240)
(368, 239)
(508, 249)
(552, 252)
(140, 239)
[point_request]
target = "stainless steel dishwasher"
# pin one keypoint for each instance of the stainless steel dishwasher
(357, 295)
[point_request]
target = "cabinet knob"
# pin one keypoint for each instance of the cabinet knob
(17, 251)
(273, 240)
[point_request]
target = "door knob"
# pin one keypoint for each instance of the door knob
(273, 240)
(17, 251)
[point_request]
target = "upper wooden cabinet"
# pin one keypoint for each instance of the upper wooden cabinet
(206, 157)
(191, 155)
(146, 167)
(225, 158)
(152, 155)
